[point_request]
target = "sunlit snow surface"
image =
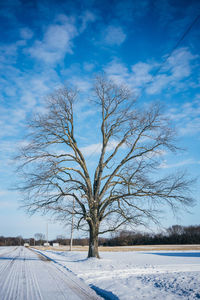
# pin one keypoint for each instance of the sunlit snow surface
(137, 275)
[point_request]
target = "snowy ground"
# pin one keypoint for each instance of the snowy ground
(24, 275)
(137, 275)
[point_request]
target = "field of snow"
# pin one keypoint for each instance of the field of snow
(168, 275)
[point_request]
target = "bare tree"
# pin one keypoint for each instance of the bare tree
(125, 188)
(39, 237)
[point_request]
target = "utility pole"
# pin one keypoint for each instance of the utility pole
(72, 226)
(47, 234)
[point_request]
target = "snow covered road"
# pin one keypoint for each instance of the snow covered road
(25, 274)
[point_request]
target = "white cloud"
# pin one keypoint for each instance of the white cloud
(165, 165)
(58, 38)
(186, 117)
(118, 72)
(91, 149)
(10, 121)
(57, 41)
(135, 78)
(96, 148)
(141, 73)
(81, 83)
(114, 35)
(177, 69)
(190, 127)
(180, 63)
(116, 68)
(161, 82)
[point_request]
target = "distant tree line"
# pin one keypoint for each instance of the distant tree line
(175, 234)
(15, 241)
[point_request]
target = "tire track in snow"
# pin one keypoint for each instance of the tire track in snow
(14, 284)
(66, 276)
(7, 252)
(33, 290)
(9, 258)
(19, 280)
(10, 274)
(25, 276)
(61, 279)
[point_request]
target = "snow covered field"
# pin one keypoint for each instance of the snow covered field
(168, 275)
(130, 275)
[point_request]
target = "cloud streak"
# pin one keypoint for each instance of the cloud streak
(190, 161)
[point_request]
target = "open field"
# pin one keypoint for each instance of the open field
(143, 274)
(127, 248)
(137, 275)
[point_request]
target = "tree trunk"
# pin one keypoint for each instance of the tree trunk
(93, 242)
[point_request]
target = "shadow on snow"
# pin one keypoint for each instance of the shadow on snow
(103, 293)
(17, 258)
(179, 254)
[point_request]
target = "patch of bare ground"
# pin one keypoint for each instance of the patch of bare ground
(127, 248)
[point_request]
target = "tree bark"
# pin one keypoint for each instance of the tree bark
(93, 242)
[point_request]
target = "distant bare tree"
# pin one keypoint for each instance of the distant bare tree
(175, 230)
(125, 188)
(39, 237)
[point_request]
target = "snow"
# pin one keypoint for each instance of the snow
(136, 275)
(24, 275)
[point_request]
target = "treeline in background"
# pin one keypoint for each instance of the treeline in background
(173, 235)
(176, 234)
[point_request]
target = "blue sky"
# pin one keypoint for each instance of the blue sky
(45, 44)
